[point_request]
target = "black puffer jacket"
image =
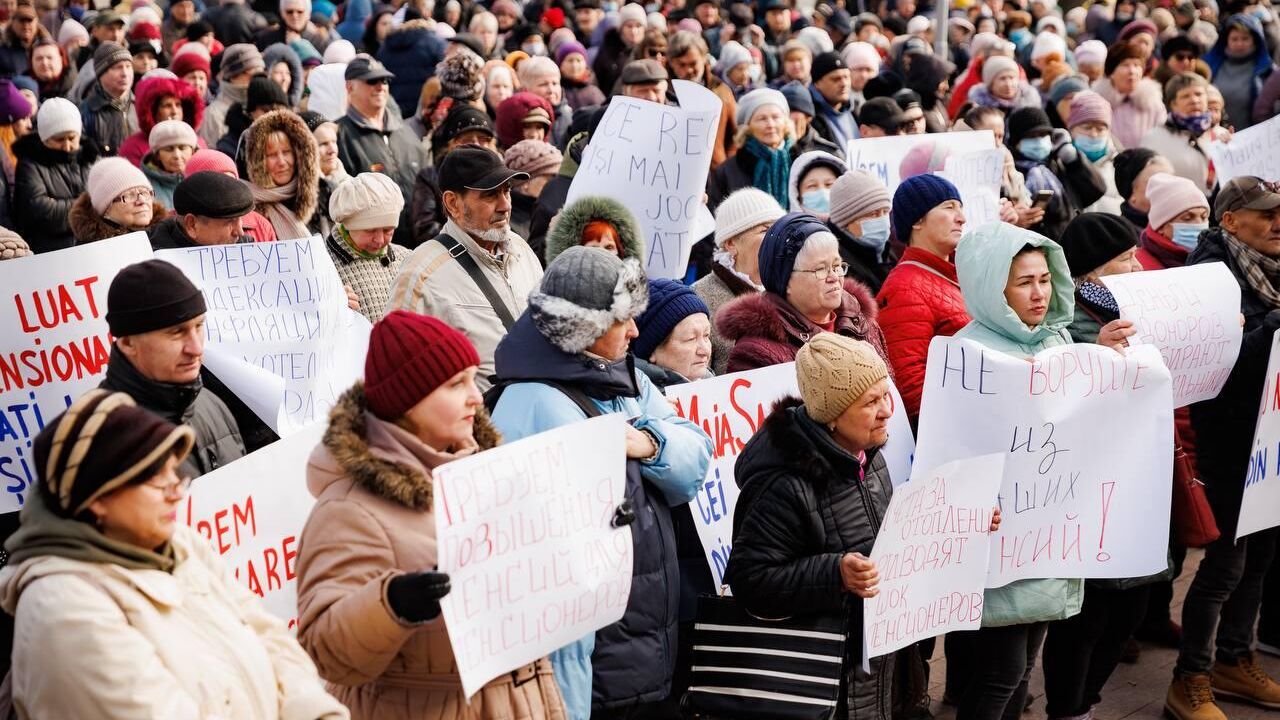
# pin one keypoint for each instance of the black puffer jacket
(802, 508)
(45, 186)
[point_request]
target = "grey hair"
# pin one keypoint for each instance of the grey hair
(682, 41)
(286, 3)
(534, 67)
(816, 244)
(485, 17)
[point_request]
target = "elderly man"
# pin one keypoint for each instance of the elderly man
(541, 76)
(240, 63)
(107, 110)
(831, 89)
(373, 139)
(477, 275)
(157, 318)
(645, 80)
(209, 209)
(587, 15)
(1225, 595)
(295, 24)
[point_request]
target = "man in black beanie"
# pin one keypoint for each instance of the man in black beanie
(1133, 168)
(209, 209)
(157, 318)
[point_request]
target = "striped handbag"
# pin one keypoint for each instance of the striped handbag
(746, 668)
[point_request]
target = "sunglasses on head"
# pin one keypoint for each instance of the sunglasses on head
(656, 52)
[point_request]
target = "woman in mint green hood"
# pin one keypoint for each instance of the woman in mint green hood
(1018, 290)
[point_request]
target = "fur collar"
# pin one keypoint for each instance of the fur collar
(306, 165)
(29, 148)
(87, 225)
(573, 219)
(761, 315)
(347, 441)
(1146, 96)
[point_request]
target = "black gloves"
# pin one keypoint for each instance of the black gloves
(415, 597)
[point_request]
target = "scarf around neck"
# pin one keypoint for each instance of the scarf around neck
(44, 533)
(1261, 272)
(275, 204)
(772, 168)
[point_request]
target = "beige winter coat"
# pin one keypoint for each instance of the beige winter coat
(95, 640)
(372, 521)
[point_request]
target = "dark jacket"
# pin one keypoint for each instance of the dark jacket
(612, 55)
(805, 503)
(1082, 186)
(46, 184)
(169, 235)
(813, 141)
(217, 437)
(276, 34)
(554, 195)
(734, 174)
(107, 122)
(234, 23)
(1224, 426)
(427, 208)
(393, 150)
(412, 52)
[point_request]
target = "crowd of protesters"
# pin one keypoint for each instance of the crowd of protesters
(432, 144)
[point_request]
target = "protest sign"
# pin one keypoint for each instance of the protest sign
(1252, 151)
(730, 409)
(252, 512)
(654, 159)
(1260, 506)
(1088, 435)
(54, 344)
(882, 157)
(1192, 316)
(932, 552)
(977, 175)
(525, 533)
(279, 332)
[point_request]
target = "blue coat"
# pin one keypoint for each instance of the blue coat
(411, 52)
(632, 660)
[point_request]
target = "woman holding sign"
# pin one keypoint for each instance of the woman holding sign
(368, 596)
(121, 610)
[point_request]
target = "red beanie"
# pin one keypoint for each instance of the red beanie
(409, 356)
(187, 62)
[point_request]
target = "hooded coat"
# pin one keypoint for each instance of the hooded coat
(411, 51)
(278, 53)
(373, 521)
(88, 226)
(767, 330)
(46, 185)
(147, 94)
(802, 164)
(1240, 80)
(983, 259)
(568, 228)
(306, 166)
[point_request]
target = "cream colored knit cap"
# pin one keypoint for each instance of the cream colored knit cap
(833, 371)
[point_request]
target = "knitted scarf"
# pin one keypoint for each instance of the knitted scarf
(772, 168)
(45, 533)
(1261, 272)
(274, 203)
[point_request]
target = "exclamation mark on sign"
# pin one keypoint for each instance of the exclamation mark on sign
(1107, 489)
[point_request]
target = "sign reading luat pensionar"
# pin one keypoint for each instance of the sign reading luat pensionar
(54, 344)
(525, 533)
(1260, 506)
(654, 159)
(1088, 438)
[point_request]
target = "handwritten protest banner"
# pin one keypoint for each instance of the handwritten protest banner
(654, 159)
(279, 332)
(730, 409)
(1260, 506)
(252, 512)
(524, 531)
(932, 552)
(1088, 435)
(977, 175)
(1252, 151)
(54, 344)
(1191, 315)
(881, 157)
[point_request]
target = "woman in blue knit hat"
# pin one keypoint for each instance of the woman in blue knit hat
(674, 341)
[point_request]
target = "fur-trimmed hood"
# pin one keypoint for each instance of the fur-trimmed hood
(88, 226)
(770, 317)
(306, 166)
(573, 219)
(279, 52)
(382, 458)
(151, 90)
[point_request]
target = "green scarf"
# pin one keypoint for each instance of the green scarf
(773, 167)
(346, 238)
(44, 533)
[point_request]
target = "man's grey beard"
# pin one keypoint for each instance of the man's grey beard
(496, 236)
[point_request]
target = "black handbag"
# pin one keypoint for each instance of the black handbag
(746, 667)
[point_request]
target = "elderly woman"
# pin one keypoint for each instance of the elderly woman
(806, 292)
(172, 143)
(674, 341)
(575, 334)
(596, 221)
(1003, 87)
(921, 296)
(579, 86)
(1179, 213)
(365, 211)
(1188, 131)
(52, 168)
(101, 574)
(1018, 288)
(766, 149)
(368, 597)
(1136, 103)
(741, 223)
(118, 199)
(812, 175)
(332, 173)
(499, 84)
(284, 172)
(1088, 119)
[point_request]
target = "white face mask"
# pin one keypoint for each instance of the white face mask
(753, 72)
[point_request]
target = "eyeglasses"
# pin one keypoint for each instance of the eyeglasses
(173, 489)
(133, 196)
(23, 20)
(378, 81)
(825, 271)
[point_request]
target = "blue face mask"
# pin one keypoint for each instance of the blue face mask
(1092, 147)
(609, 6)
(875, 232)
(1036, 149)
(817, 202)
(1020, 36)
(1187, 235)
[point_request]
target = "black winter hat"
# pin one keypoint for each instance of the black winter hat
(1128, 165)
(1026, 120)
(263, 92)
(826, 63)
(1118, 53)
(213, 195)
(151, 295)
(1093, 239)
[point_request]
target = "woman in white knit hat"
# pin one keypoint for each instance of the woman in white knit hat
(172, 143)
(741, 221)
(766, 148)
(53, 164)
(365, 212)
(118, 199)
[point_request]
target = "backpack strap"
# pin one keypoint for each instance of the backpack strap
(579, 398)
(459, 252)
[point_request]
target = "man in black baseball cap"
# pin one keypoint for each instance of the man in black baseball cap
(209, 209)
(832, 90)
(476, 274)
